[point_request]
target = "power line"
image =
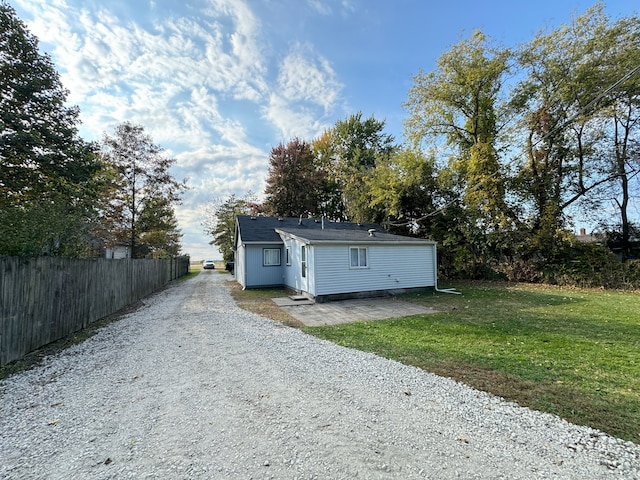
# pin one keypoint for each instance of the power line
(554, 130)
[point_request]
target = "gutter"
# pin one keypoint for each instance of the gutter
(353, 241)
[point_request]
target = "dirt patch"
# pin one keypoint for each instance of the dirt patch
(260, 302)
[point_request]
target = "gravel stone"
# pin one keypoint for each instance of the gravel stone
(192, 387)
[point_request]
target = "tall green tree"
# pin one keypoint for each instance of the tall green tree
(295, 181)
(220, 220)
(454, 108)
(47, 172)
(405, 188)
(454, 111)
(331, 202)
(141, 179)
(622, 118)
(158, 227)
(356, 146)
(565, 73)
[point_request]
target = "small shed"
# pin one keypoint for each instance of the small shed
(330, 260)
(117, 251)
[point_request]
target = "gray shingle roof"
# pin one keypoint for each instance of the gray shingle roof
(263, 230)
(345, 235)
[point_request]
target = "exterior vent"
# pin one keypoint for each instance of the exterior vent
(372, 232)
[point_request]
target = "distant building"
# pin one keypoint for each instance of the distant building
(591, 238)
(117, 251)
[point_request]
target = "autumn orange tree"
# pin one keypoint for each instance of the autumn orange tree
(295, 181)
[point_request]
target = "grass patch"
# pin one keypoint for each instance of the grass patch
(259, 301)
(220, 267)
(193, 271)
(574, 353)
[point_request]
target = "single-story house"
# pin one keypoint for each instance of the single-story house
(329, 260)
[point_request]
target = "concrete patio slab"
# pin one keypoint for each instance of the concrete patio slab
(292, 301)
(363, 309)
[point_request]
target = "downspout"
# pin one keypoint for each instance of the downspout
(244, 269)
(435, 276)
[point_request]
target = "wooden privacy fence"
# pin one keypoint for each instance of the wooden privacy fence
(44, 299)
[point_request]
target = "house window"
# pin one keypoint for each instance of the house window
(271, 257)
(288, 255)
(303, 260)
(358, 256)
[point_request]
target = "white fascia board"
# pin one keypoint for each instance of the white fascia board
(261, 243)
(284, 235)
(352, 242)
(369, 242)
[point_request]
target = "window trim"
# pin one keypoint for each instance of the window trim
(264, 257)
(359, 266)
(288, 256)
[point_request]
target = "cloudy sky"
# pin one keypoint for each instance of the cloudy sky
(219, 83)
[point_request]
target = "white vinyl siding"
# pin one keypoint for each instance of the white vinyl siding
(271, 257)
(389, 267)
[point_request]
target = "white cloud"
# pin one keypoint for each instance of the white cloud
(294, 121)
(104, 59)
(303, 77)
(199, 83)
(323, 7)
(306, 93)
(320, 6)
(348, 6)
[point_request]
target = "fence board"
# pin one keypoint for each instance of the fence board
(44, 299)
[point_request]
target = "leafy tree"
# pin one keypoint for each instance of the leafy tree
(220, 221)
(47, 172)
(565, 74)
(331, 203)
(295, 182)
(356, 146)
(455, 107)
(406, 189)
(158, 225)
(141, 181)
(622, 116)
(46, 228)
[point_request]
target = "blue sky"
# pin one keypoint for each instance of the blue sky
(219, 83)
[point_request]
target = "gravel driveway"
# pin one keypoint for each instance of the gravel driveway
(190, 386)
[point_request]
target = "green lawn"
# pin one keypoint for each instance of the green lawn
(574, 353)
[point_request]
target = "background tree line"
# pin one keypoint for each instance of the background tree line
(61, 195)
(503, 146)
